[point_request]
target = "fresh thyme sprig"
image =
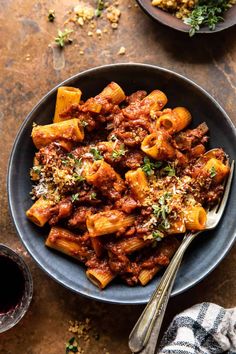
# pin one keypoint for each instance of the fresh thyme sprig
(71, 346)
(148, 166)
(118, 153)
(212, 172)
(161, 210)
(63, 37)
(100, 8)
(96, 153)
(207, 12)
(169, 170)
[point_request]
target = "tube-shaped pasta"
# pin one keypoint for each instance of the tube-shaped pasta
(97, 246)
(138, 183)
(195, 218)
(66, 145)
(105, 178)
(40, 212)
(156, 145)
(66, 242)
(218, 170)
(100, 277)
(66, 96)
(198, 150)
(69, 130)
(132, 244)
(156, 100)
(167, 247)
(174, 121)
(146, 275)
(113, 93)
(108, 222)
(213, 153)
(92, 105)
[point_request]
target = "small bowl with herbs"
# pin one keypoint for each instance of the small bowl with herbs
(193, 16)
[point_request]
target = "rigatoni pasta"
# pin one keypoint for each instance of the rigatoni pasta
(66, 97)
(120, 179)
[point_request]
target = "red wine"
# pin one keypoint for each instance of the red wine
(12, 284)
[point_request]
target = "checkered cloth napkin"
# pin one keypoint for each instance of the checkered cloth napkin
(203, 329)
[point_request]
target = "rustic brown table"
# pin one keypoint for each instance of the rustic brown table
(29, 68)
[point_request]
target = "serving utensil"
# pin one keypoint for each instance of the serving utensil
(145, 333)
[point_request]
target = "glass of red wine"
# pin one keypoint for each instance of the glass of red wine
(16, 288)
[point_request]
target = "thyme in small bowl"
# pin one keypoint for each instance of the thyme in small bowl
(206, 12)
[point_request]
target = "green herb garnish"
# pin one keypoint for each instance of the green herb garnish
(206, 12)
(64, 161)
(161, 210)
(51, 15)
(212, 171)
(63, 37)
(118, 153)
(78, 178)
(170, 170)
(100, 8)
(75, 197)
(158, 235)
(96, 153)
(93, 195)
(71, 347)
(78, 162)
(37, 169)
(148, 166)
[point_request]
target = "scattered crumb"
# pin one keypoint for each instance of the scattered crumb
(122, 51)
(114, 25)
(80, 328)
(80, 21)
(98, 32)
(86, 17)
(81, 52)
(113, 14)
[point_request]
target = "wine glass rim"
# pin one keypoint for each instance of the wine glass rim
(11, 318)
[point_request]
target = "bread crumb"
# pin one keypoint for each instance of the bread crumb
(90, 34)
(80, 21)
(113, 14)
(98, 32)
(122, 51)
(114, 25)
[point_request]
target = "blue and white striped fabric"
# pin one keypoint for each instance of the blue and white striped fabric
(203, 329)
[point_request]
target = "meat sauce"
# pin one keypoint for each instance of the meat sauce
(114, 136)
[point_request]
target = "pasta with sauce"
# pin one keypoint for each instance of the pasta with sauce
(120, 179)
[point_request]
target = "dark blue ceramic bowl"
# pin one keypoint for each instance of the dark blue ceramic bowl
(205, 253)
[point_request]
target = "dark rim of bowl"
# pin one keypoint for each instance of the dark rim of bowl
(182, 28)
(43, 99)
